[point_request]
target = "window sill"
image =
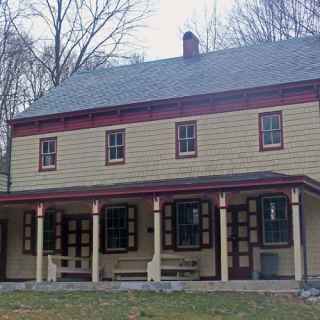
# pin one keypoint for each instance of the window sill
(115, 162)
(271, 148)
(186, 155)
(44, 169)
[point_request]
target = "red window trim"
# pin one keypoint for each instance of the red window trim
(41, 141)
(195, 154)
(262, 147)
(123, 161)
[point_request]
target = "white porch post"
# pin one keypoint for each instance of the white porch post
(223, 237)
(39, 263)
(154, 267)
(295, 203)
(95, 240)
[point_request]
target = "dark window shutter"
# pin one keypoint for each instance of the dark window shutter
(29, 232)
(58, 231)
(132, 228)
(168, 234)
(206, 224)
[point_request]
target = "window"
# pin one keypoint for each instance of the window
(188, 224)
(271, 137)
(48, 154)
(186, 139)
(49, 236)
(115, 147)
(275, 221)
(116, 233)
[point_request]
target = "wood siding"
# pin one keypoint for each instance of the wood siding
(227, 143)
(3, 182)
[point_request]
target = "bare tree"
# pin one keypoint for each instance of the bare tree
(82, 33)
(207, 26)
(253, 21)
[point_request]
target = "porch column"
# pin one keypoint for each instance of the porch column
(295, 203)
(154, 267)
(39, 263)
(95, 240)
(223, 237)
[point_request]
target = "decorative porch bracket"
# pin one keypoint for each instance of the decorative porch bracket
(224, 236)
(296, 224)
(95, 240)
(39, 263)
(154, 266)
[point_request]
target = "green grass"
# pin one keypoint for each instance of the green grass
(155, 306)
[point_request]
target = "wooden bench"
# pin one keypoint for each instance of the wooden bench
(56, 268)
(173, 267)
(178, 267)
(130, 268)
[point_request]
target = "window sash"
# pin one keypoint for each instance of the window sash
(48, 154)
(117, 237)
(275, 231)
(272, 132)
(188, 140)
(188, 226)
(115, 149)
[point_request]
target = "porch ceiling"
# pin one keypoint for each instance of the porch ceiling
(217, 183)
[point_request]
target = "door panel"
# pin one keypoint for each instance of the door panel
(238, 242)
(77, 238)
(3, 249)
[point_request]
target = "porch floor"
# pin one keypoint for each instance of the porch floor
(278, 286)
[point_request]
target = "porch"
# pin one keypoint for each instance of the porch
(223, 229)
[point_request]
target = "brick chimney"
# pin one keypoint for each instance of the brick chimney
(190, 45)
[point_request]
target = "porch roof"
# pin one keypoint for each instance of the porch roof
(213, 183)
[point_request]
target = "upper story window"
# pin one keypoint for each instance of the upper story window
(116, 228)
(271, 134)
(115, 144)
(188, 224)
(186, 139)
(48, 154)
(275, 220)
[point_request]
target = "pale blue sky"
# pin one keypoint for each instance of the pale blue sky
(161, 38)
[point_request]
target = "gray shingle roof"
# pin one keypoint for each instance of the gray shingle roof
(231, 69)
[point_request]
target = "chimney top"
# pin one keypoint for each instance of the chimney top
(190, 45)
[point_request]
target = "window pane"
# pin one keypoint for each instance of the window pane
(267, 123)
(188, 232)
(191, 145)
(52, 146)
(190, 131)
(48, 160)
(112, 139)
(120, 153)
(119, 139)
(49, 231)
(116, 228)
(275, 220)
(182, 132)
(112, 153)
(45, 147)
(183, 146)
(276, 137)
(275, 122)
(267, 138)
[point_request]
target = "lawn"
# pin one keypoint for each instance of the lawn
(155, 306)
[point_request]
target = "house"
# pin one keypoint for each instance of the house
(197, 167)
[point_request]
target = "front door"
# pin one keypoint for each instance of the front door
(77, 238)
(238, 242)
(3, 249)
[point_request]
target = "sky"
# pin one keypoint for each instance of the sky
(161, 38)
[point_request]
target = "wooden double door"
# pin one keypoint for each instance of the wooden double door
(3, 249)
(239, 252)
(77, 231)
